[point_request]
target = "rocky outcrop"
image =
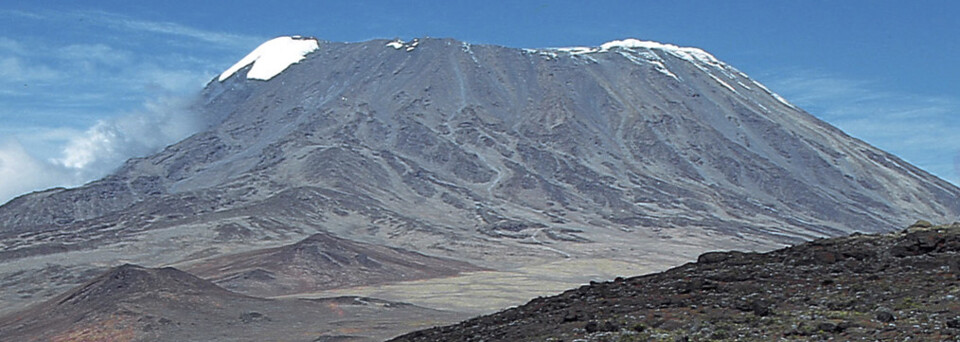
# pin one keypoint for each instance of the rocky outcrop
(894, 286)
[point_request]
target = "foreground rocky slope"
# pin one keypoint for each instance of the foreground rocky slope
(132, 303)
(898, 286)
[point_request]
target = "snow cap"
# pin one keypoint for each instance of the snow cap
(273, 57)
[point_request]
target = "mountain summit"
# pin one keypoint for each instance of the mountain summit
(502, 157)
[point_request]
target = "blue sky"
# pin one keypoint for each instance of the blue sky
(85, 85)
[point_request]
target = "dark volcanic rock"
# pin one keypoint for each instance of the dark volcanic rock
(865, 291)
(885, 316)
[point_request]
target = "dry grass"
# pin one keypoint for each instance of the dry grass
(489, 291)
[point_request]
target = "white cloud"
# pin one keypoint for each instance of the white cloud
(11, 46)
(169, 28)
(21, 172)
(93, 153)
(127, 23)
(24, 14)
(111, 141)
(918, 128)
(112, 88)
(95, 53)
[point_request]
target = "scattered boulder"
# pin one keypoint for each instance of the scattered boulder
(841, 288)
(609, 326)
(830, 327)
(713, 257)
(885, 316)
(760, 308)
(253, 316)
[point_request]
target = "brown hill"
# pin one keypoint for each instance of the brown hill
(132, 303)
(321, 262)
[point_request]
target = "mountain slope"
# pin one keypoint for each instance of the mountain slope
(528, 126)
(635, 151)
(131, 303)
(859, 288)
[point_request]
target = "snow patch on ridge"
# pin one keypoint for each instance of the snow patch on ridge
(691, 54)
(649, 58)
(640, 51)
(724, 84)
(398, 44)
(775, 95)
(577, 50)
(273, 57)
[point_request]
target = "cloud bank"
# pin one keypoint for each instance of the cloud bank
(110, 142)
(97, 151)
(21, 172)
(79, 103)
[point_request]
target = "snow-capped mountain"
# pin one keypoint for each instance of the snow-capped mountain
(502, 157)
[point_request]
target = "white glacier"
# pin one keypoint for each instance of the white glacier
(649, 58)
(577, 50)
(273, 57)
(396, 44)
(687, 53)
(697, 57)
(399, 44)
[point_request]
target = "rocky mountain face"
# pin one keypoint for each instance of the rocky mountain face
(898, 286)
(132, 303)
(502, 158)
